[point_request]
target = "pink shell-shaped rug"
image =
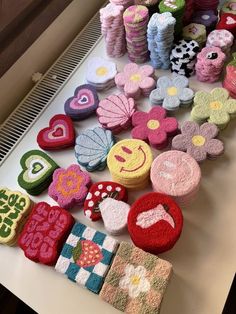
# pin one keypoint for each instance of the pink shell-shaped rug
(115, 112)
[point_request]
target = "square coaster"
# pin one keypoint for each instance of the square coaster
(136, 281)
(87, 256)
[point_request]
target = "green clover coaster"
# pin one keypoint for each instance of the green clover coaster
(37, 171)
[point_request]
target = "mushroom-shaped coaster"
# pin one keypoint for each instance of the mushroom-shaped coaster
(60, 133)
(98, 192)
(14, 209)
(136, 281)
(45, 232)
(176, 174)
(155, 223)
(114, 215)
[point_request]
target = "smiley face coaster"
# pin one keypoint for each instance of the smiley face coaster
(37, 171)
(155, 223)
(86, 257)
(60, 133)
(176, 174)
(14, 209)
(129, 162)
(83, 103)
(99, 192)
(45, 232)
(136, 281)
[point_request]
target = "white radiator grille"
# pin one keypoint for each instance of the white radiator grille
(39, 97)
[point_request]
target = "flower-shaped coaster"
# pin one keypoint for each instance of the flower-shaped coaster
(215, 107)
(198, 141)
(154, 127)
(172, 93)
(136, 281)
(86, 257)
(136, 81)
(69, 186)
(101, 73)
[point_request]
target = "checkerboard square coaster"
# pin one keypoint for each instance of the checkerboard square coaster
(86, 257)
(136, 281)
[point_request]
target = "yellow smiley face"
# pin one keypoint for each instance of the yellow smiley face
(130, 159)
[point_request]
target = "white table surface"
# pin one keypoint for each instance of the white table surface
(204, 258)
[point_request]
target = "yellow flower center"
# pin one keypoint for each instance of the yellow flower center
(135, 77)
(69, 183)
(135, 280)
(172, 91)
(153, 124)
(215, 105)
(198, 140)
(101, 71)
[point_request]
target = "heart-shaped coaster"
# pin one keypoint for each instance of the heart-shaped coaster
(155, 222)
(14, 209)
(37, 171)
(45, 232)
(83, 103)
(98, 192)
(114, 214)
(227, 21)
(60, 133)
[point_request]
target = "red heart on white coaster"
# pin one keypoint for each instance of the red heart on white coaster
(230, 20)
(59, 134)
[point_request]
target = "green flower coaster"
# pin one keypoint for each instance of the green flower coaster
(214, 107)
(37, 171)
(136, 281)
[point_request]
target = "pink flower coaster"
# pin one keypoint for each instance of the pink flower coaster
(154, 127)
(136, 81)
(198, 141)
(69, 186)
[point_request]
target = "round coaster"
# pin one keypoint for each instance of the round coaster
(155, 222)
(176, 174)
(129, 160)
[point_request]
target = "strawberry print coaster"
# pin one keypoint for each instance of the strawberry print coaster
(45, 232)
(86, 257)
(155, 222)
(98, 192)
(136, 281)
(60, 133)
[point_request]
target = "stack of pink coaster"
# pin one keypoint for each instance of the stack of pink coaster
(220, 38)
(125, 3)
(230, 80)
(206, 5)
(113, 29)
(210, 62)
(176, 174)
(135, 20)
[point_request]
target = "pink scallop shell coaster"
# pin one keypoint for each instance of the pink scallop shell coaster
(176, 174)
(83, 103)
(115, 112)
(136, 81)
(69, 186)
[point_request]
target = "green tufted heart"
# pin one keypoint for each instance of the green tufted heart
(37, 171)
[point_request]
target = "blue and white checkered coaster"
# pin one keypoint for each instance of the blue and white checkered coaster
(86, 257)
